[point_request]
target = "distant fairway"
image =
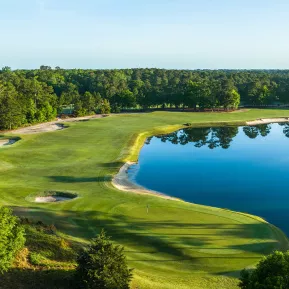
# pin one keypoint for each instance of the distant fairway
(176, 244)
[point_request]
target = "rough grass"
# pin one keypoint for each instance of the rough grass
(176, 245)
(47, 261)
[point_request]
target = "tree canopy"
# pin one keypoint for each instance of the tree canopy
(271, 273)
(32, 96)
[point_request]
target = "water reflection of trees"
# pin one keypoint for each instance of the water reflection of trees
(212, 137)
(253, 131)
(217, 136)
(285, 128)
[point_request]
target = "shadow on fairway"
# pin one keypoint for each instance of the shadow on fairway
(36, 279)
(112, 165)
(68, 179)
(137, 232)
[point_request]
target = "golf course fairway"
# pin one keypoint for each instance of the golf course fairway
(173, 245)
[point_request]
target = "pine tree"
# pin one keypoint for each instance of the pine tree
(103, 266)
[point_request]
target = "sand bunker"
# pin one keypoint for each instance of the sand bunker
(122, 182)
(85, 118)
(7, 142)
(267, 120)
(51, 197)
(43, 127)
(53, 125)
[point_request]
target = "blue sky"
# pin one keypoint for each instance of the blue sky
(186, 34)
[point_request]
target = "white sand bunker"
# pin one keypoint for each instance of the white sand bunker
(7, 142)
(53, 125)
(52, 197)
(43, 127)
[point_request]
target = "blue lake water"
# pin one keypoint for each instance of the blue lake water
(240, 168)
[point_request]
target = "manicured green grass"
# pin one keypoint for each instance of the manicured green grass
(175, 245)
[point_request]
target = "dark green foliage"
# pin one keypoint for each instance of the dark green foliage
(198, 94)
(25, 100)
(10, 107)
(271, 273)
(105, 107)
(125, 99)
(11, 238)
(103, 266)
(32, 96)
(79, 110)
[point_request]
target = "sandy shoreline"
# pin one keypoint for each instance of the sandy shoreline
(123, 183)
(267, 120)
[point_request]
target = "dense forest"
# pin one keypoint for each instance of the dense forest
(32, 96)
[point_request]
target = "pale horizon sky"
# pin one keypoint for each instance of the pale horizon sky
(174, 34)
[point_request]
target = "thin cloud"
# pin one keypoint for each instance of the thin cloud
(55, 7)
(41, 5)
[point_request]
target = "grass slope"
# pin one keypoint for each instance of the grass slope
(175, 245)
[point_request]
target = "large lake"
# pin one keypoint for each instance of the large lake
(240, 168)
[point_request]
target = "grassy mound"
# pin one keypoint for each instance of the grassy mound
(175, 245)
(46, 262)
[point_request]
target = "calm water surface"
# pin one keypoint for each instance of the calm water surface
(241, 168)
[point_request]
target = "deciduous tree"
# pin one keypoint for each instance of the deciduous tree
(270, 273)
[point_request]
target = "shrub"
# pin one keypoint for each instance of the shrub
(105, 107)
(271, 273)
(11, 238)
(102, 266)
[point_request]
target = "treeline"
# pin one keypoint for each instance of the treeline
(32, 96)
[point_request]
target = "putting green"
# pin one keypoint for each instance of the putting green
(175, 244)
